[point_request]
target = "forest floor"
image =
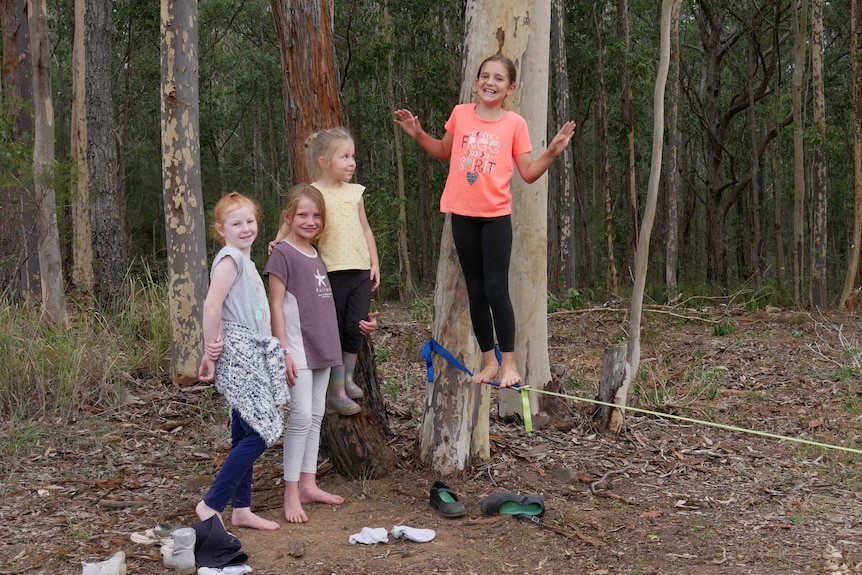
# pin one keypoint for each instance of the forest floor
(664, 497)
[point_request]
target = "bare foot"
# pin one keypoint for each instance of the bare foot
(489, 368)
(204, 512)
(293, 511)
(309, 492)
(488, 373)
(317, 495)
(509, 370)
(510, 377)
(244, 517)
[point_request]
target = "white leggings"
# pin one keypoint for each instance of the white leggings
(302, 436)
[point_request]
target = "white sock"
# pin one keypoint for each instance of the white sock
(370, 536)
(413, 534)
(228, 570)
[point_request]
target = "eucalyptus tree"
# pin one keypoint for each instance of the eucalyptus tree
(454, 428)
(819, 183)
(98, 216)
(19, 274)
(50, 261)
(851, 277)
(181, 185)
(356, 445)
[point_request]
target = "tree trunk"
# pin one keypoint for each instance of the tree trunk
(307, 56)
(355, 444)
(564, 166)
(455, 423)
(183, 202)
(642, 259)
(756, 241)
(107, 211)
(800, 33)
(851, 279)
(818, 193)
(604, 171)
(18, 233)
(628, 115)
(50, 262)
(405, 272)
(671, 168)
(82, 234)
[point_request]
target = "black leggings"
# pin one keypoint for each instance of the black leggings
(484, 246)
(351, 290)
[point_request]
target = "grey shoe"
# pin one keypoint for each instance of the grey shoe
(181, 554)
(116, 565)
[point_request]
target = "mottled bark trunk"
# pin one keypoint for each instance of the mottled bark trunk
(183, 203)
(819, 295)
(50, 262)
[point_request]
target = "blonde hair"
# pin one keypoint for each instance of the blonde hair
(226, 205)
(323, 144)
(291, 201)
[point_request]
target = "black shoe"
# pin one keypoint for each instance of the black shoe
(445, 501)
(525, 506)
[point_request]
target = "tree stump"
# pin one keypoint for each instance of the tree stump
(356, 444)
(613, 375)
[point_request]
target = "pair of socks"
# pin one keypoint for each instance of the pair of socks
(372, 535)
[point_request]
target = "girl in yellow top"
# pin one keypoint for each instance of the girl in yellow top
(484, 143)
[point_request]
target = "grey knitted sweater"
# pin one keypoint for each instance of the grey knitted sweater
(250, 374)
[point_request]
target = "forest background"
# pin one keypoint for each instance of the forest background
(761, 146)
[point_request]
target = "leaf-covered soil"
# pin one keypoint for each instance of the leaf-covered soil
(664, 497)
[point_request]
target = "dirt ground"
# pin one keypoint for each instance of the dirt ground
(664, 497)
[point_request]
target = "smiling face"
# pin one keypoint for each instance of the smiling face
(494, 83)
(239, 228)
(306, 223)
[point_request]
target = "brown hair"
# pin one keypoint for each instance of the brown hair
(508, 64)
(296, 193)
(323, 144)
(226, 205)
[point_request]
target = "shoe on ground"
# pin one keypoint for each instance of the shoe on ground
(116, 565)
(526, 506)
(444, 500)
(181, 555)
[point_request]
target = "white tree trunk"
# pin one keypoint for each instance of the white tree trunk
(455, 422)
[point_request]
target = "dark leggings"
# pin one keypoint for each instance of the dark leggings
(351, 290)
(484, 246)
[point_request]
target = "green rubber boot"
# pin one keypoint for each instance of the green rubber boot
(336, 397)
(352, 390)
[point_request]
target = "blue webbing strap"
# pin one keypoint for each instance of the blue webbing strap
(433, 346)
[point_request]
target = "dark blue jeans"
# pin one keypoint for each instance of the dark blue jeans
(233, 482)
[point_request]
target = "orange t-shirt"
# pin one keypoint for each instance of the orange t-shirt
(481, 164)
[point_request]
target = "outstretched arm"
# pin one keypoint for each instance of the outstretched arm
(440, 149)
(532, 170)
